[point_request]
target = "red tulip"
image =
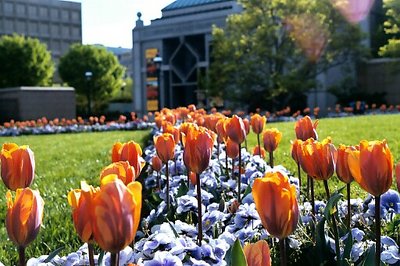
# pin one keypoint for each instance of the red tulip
(156, 163)
(232, 149)
(17, 166)
(259, 151)
(271, 137)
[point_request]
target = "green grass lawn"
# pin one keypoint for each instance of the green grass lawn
(348, 131)
(62, 161)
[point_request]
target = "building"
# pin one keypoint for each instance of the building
(173, 53)
(124, 56)
(56, 23)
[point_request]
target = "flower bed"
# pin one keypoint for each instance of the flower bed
(167, 234)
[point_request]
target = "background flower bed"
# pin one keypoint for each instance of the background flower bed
(64, 160)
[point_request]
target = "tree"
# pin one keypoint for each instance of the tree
(276, 48)
(24, 62)
(392, 28)
(94, 72)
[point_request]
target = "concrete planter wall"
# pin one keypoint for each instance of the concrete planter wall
(26, 103)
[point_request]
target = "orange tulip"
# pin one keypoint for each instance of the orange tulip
(318, 159)
(259, 151)
(122, 169)
(305, 129)
(198, 149)
(271, 137)
(169, 128)
(246, 123)
(232, 149)
(24, 216)
(257, 123)
(257, 254)
(131, 152)
(342, 166)
(235, 129)
(296, 149)
(276, 204)
(116, 213)
(156, 163)
(372, 166)
(220, 129)
(81, 202)
(17, 166)
(165, 147)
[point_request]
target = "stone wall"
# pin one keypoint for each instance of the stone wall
(26, 103)
(381, 76)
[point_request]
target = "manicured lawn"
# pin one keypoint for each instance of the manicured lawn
(62, 161)
(348, 131)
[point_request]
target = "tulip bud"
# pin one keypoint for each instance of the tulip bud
(156, 163)
(257, 123)
(342, 165)
(116, 213)
(372, 166)
(235, 129)
(232, 149)
(17, 166)
(81, 202)
(271, 137)
(257, 254)
(24, 216)
(305, 129)
(165, 147)
(276, 204)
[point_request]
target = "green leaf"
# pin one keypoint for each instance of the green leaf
(173, 229)
(369, 257)
(53, 254)
(182, 190)
(247, 191)
(348, 244)
(238, 258)
(330, 208)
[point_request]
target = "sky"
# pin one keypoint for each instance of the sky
(110, 22)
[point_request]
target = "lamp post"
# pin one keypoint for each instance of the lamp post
(157, 60)
(88, 76)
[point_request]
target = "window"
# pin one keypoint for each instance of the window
(9, 25)
(75, 16)
(54, 14)
(32, 11)
(21, 26)
(76, 32)
(65, 32)
(55, 30)
(33, 27)
(43, 12)
(8, 8)
(44, 29)
(21, 10)
(64, 15)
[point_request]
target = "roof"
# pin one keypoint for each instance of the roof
(178, 4)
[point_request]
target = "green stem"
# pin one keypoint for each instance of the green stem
(348, 207)
(299, 171)
(308, 186)
(91, 254)
(334, 225)
(239, 175)
(167, 174)
(258, 142)
(282, 250)
(378, 230)
(199, 213)
(271, 159)
(311, 181)
(21, 254)
(226, 165)
(114, 259)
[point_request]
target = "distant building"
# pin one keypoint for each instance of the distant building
(124, 56)
(172, 53)
(56, 23)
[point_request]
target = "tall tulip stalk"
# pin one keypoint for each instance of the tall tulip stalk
(165, 148)
(278, 209)
(372, 169)
(23, 219)
(235, 130)
(198, 144)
